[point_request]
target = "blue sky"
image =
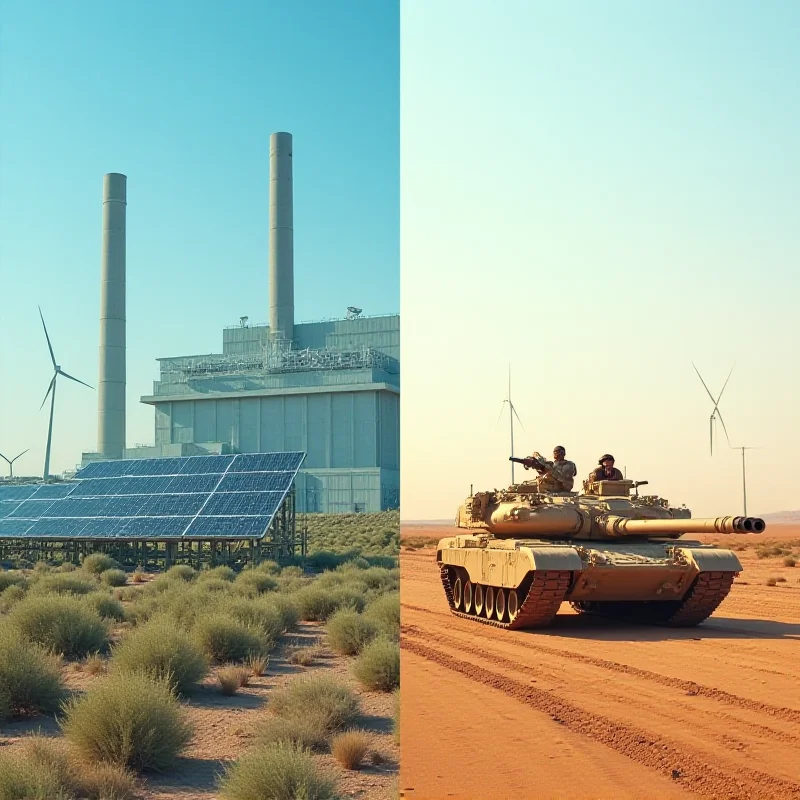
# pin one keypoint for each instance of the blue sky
(600, 193)
(182, 97)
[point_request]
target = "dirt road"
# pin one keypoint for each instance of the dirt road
(596, 709)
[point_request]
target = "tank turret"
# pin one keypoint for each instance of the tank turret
(606, 550)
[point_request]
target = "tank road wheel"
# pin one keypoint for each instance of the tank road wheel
(500, 605)
(458, 594)
(513, 604)
(478, 600)
(468, 597)
(489, 602)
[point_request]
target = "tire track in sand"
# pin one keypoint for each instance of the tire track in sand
(720, 695)
(648, 749)
(516, 666)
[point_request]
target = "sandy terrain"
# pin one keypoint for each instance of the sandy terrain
(596, 709)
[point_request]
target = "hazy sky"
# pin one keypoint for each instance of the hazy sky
(600, 193)
(182, 97)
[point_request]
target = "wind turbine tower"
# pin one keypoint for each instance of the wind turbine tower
(51, 390)
(12, 460)
(512, 412)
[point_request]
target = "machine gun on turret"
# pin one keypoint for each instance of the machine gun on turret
(536, 461)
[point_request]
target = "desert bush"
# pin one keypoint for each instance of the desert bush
(219, 573)
(317, 604)
(258, 613)
(384, 611)
(789, 561)
(304, 731)
(98, 563)
(331, 703)
(104, 782)
(213, 585)
(67, 566)
(772, 581)
(65, 624)
(162, 651)
(105, 605)
(232, 678)
(129, 719)
(11, 596)
(305, 656)
(349, 631)
(257, 581)
(378, 666)
(257, 664)
(61, 583)
(30, 677)
(270, 567)
(350, 747)
(224, 638)
(23, 776)
(10, 579)
(138, 576)
(181, 572)
(292, 572)
(94, 665)
(288, 608)
(113, 577)
(277, 771)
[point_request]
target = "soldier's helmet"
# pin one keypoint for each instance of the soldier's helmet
(606, 457)
(559, 449)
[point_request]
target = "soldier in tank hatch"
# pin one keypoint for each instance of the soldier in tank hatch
(606, 471)
(557, 475)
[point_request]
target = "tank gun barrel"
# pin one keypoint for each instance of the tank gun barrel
(620, 526)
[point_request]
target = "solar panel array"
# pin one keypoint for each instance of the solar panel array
(197, 497)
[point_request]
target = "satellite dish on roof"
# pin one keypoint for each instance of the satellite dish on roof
(352, 312)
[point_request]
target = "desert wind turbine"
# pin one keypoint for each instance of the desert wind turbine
(51, 390)
(716, 412)
(512, 412)
(12, 460)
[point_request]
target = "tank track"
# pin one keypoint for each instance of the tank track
(709, 590)
(541, 604)
(705, 595)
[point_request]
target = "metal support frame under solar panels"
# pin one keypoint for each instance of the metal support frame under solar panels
(224, 509)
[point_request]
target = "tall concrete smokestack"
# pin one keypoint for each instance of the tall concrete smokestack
(111, 386)
(281, 237)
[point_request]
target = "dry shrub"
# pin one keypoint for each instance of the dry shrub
(67, 566)
(232, 678)
(128, 719)
(288, 608)
(349, 632)
(789, 561)
(65, 624)
(97, 563)
(113, 577)
(332, 704)
(11, 596)
(257, 664)
(224, 638)
(304, 731)
(60, 584)
(258, 613)
(163, 651)
(305, 656)
(384, 611)
(277, 771)
(772, 581)
(256, 581)
(94, 665)
(105, 782)
(318, 603)
(30, 677)
(138, 576)
(349, 748)
(378, 666)
(106, 606)
(181, 572)
(217, 573)
(10, 579)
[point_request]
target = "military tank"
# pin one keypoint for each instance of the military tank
(606, 550)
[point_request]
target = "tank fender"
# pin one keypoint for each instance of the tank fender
(707, 560)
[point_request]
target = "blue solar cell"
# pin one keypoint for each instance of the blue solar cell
(155, 527)
(211, 464)
(55, 490)
(65, 528)
(11, 528)
(171, 505)
(242, 504)
(16, 492)
(267, 462)
(172, 484)
(204, 527)
(7, 508)
(256, 482)
(32, 509)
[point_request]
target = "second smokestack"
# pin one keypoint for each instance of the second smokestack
(111, 386)
(281, 237)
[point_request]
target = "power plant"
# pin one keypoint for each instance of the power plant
(330, 389)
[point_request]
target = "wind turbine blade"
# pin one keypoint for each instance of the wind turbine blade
(66, 375)
(6, 459)
(719, 413)
(716, 403)
(500, 414)
(704, 385)
(52, 355)
(517, 416)
(21, 454)
(49, 389)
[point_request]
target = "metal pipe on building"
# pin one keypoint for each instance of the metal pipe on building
(281, 237)
(111, 385)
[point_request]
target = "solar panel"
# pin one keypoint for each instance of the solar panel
(196, 497)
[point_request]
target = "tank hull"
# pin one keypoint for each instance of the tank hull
(521, 583)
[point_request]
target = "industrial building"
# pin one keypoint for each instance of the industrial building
(330, 389)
